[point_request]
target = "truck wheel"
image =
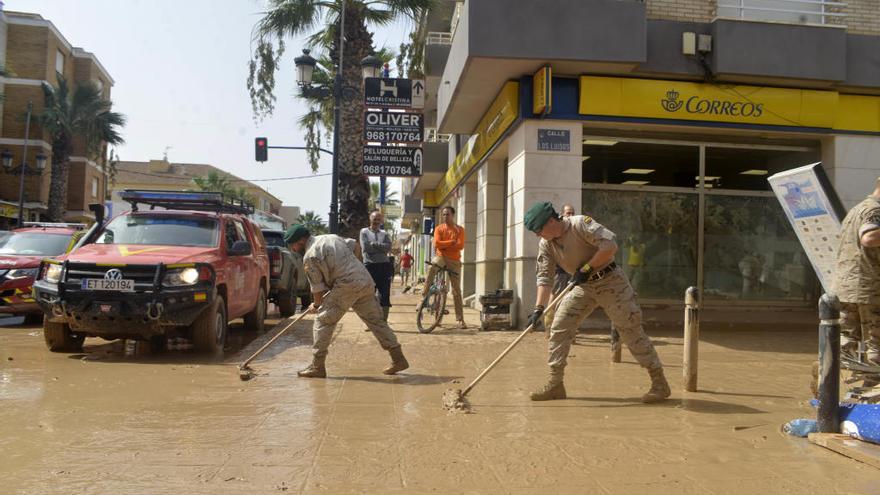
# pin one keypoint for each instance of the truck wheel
(286, 302)
(209, 330)
(59, 338)
(255, 320)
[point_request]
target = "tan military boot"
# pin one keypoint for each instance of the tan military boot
(315, 370)
(659, 387)
(398, 361)
(551, 391)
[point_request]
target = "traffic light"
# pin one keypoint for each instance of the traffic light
(261, 149)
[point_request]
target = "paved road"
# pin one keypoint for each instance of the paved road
(101, 422)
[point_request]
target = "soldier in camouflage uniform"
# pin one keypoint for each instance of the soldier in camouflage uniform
(586, 249)
(330, 264)
(857, 279)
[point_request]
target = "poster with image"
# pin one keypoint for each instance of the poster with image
(814, 211)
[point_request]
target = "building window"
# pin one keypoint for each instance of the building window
(59, 62)
(94, 187)
(100, 85)
(789, 11)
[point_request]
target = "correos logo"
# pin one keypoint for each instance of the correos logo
(697, 105)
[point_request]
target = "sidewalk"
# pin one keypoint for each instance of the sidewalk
(359, 431)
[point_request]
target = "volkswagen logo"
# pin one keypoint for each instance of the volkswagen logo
(114, 274)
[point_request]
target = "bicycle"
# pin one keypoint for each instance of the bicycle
(434, 302)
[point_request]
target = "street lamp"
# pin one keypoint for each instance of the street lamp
(23, 169)
(305, 69)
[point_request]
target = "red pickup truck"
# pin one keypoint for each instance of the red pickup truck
(182, 271)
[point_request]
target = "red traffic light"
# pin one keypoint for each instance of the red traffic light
(261, 149)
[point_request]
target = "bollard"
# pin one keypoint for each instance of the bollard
(828, 415)
(691, 338)
(615, 345)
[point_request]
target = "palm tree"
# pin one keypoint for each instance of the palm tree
(83, 115)
(321, 19)
(313, 222)
(390, 196)
(222, 183)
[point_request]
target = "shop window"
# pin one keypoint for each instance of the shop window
(656, 234)
(747, 169)
(608, 161)
(752, 252)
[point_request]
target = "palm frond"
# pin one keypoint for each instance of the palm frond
(289, 18)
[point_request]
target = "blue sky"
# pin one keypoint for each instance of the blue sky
(180, 69)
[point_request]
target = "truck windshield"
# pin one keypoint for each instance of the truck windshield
(34, 244)
(163, 230)
(274, 239)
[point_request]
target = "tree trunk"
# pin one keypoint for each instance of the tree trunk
(354, 186)
(58, 182)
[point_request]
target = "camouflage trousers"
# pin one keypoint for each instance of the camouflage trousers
(615, 295)
(857, 322)
(363, 301)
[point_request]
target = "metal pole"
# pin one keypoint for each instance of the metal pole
(27, 128)
(382, 186)
(828, 414)
(691, 338)
(337, 103)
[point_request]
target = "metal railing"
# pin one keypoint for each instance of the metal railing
(432, 136)
(438, 38)
(823, 12)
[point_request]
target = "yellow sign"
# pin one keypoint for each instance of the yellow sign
(542, 91)
(124, 251)
(501, 114)
(8, 211)
(727, 103)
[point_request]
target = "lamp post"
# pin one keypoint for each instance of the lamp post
(305, 67)
(23, 169)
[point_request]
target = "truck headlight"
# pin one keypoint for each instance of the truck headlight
(22, 273)
(185, 276)
(53, 273)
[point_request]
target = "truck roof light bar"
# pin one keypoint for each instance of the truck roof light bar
(173, 200)
(55, 225)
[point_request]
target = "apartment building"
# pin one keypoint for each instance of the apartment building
(660, 118)
(32, 51)
(162, 175)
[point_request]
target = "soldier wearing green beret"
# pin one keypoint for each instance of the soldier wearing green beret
(585, 249)
(331, 265)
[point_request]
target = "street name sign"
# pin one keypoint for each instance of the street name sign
(386, 92)
(394, 127)
(393, 161)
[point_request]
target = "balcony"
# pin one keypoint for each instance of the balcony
(810, 12)
(493, 43)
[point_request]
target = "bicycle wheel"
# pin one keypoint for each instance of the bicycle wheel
(428, 317)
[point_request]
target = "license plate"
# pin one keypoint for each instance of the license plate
(124, 285)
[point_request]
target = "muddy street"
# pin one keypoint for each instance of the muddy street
(106, 422)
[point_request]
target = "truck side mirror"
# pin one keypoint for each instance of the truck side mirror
(240, 248)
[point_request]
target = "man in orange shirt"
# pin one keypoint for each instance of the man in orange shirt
(448, 243)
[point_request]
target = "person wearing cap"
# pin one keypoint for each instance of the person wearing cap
(857, 280)
(331, 265)
(585, 249)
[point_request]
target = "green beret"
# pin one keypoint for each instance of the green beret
(538, 215)
(295, 233)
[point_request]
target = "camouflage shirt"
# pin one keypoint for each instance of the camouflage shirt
(330, 262)
(857, 277)
(581, 238)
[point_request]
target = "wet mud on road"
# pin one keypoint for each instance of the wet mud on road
(174, 423)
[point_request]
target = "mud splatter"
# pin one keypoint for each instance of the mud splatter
(455, 402)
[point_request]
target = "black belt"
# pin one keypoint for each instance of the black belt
(599, 275)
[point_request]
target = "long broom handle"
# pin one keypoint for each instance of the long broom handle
(279, 334)
(515, 342)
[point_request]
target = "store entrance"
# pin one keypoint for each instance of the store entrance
(702, 214)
